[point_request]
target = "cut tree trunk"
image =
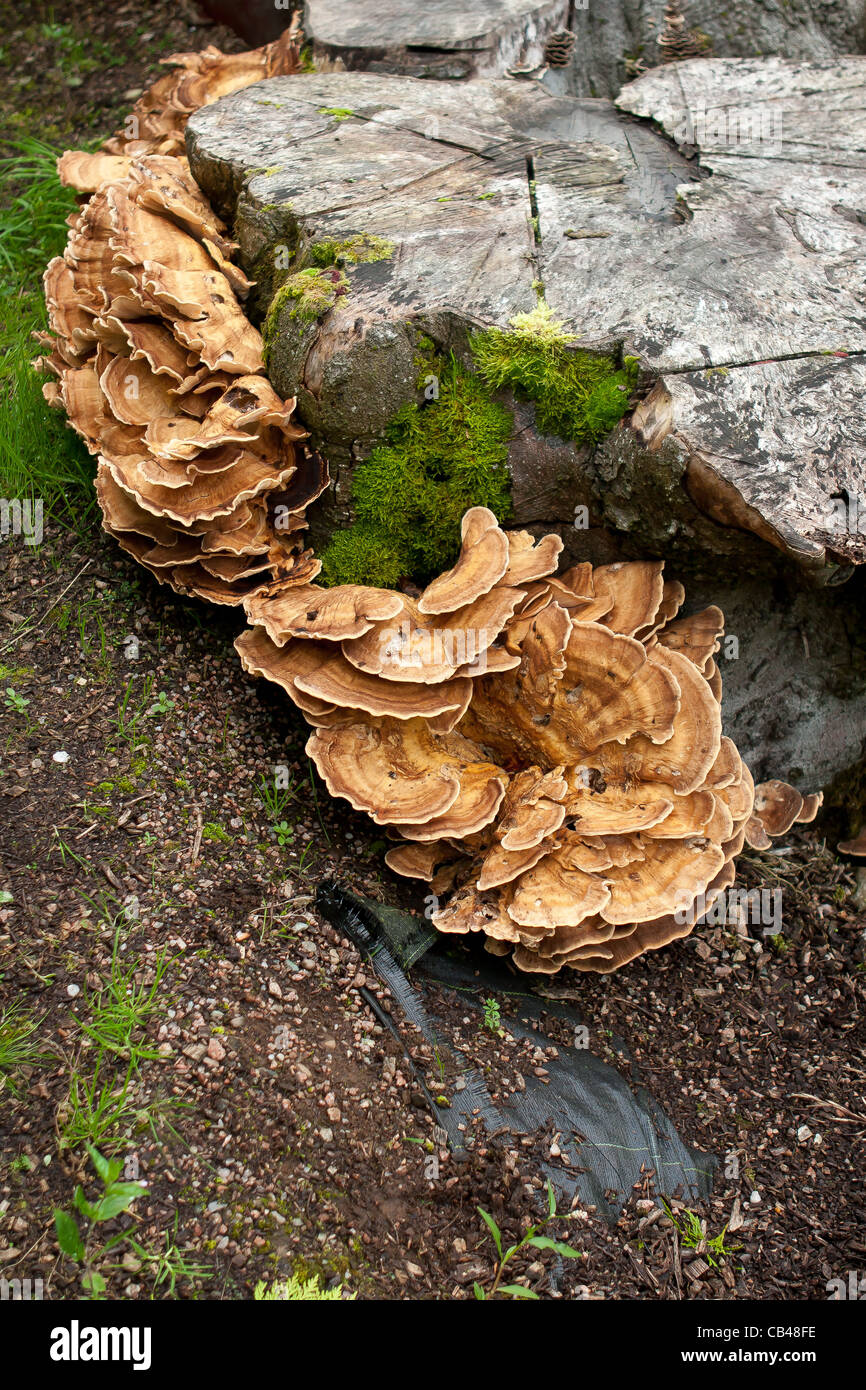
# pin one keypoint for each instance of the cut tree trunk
(736, 280)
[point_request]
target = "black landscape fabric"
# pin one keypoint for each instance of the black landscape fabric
(612, 1132)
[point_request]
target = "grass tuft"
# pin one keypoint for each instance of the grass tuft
(40, 456)
(18, 1047)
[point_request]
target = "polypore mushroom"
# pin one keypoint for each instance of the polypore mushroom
(157, 121)
(777, 805)
(402, 774)
(419, 647)
(160, 372)
(483, 559)
(319, 670)
(549, 748)
(582, 803)
(625, 806)
(330, 614)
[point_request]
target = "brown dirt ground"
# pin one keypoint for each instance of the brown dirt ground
(279, 1128)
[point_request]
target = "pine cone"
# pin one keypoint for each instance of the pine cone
(559, 48)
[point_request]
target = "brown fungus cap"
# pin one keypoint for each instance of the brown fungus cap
(483, 561)
(637, 589)
(419, 860)
(777, 805)
(696, 637)
(159, 369)
(330, 614)
(414, 646)
(397, 771)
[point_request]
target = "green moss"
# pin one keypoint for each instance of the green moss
(215, 832)
(578, 394)
(360, 249)
(123, 784)
(310, 292)
(363, 555)
(437, 460)
(339, 113)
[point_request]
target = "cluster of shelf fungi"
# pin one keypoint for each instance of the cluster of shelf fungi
(545, 749)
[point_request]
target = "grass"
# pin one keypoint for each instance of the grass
(121, 1011)
(80, 1236)
(40, 456)
(104, 1109)
(18, 1046)
(168, 1265)
(131, 710)
(105, 1105)
(275, 798)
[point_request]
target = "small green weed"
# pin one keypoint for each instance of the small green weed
(115, 1199)
(532, 1238)
(492, 1015)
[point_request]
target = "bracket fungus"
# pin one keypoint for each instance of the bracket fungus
(157, 121)
(857, 846)
(777, 807)
(203, 475)
(546, 750)
(569, 786)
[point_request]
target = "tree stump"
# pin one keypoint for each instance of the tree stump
(720, 247)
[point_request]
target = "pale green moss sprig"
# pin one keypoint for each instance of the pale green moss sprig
(297, 1289)
(359, 249)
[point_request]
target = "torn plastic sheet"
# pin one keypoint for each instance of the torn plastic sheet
(610, 1133)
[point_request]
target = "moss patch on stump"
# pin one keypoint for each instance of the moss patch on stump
(437, 459)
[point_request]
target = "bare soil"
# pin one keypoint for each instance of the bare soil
(279, 1127)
